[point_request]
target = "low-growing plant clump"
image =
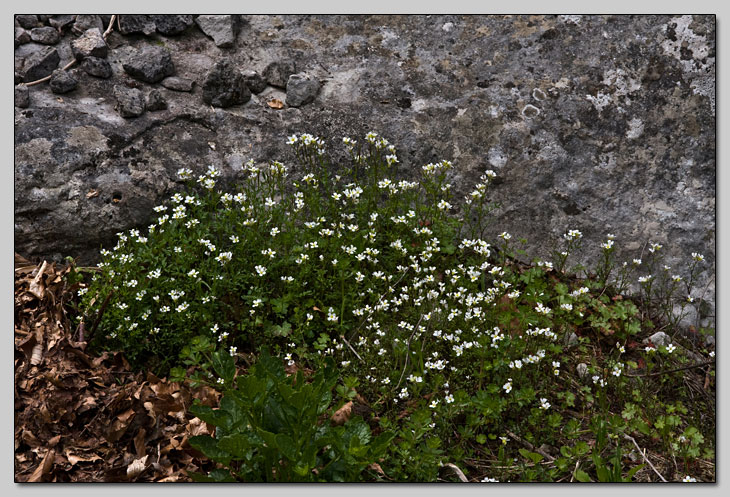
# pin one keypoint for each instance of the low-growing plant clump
(385, 291)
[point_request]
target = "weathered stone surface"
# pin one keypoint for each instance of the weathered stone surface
(22, 36)
(151, 65)
(99, 68)
(86, 22)
(22, 97)
(155, 101)
(277, 73)
(61, 21)
(224, 86)
(659, 338)
(301, 89)
(45, 35)
(170, 25)
(90, 44)
(622, 141)
(255, 82)
(40, 64)
(130, 101)
(28, 21)
(62, 82)
(177, 84)
(133, 24)
(220, 28)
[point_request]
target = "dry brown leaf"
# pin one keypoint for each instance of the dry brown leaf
(44, 467)
(136, 467)
(139, 445)
(37, 287)
(92, 193)
(75, 458)
(342, 415)
(275, 103)
(376, 467)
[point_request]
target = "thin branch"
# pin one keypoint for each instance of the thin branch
(110, 28)
(530, 446)
(643, 454)
(42, 80)
(350, 346)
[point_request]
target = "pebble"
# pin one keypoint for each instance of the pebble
(131, 101)
(61, 21)
(277, 73)
(40, 64)
(62, 82)
(28, 21)
(659, 338)
(582, 369)
(170, 25)
(151, 65)
(22, 96)
(155, 101)
(97, 67)
(90, 44)
(86, 22)
(131, 24)
(177, 84)
(255, 82)
(224, 86)
(301, 89)
(45, 35)
(220, 28)
(22, 36)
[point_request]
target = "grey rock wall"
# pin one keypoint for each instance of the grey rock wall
(604, 124)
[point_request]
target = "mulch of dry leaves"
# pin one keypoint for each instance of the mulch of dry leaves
(84, 418)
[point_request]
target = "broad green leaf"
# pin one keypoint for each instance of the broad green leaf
(209, 447)
(582, 476)
(223, 365)
(287, 446)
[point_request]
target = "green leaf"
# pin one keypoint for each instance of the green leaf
(532, 456)
(582, 476)
(238, 445)
(224, 365)
(209, 447)
(287, 446)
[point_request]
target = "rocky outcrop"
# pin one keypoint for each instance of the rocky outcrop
(599, 123)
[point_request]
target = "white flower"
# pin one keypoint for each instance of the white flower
(433, 403)
(698, 257)
(275, 231)
(193, 273)
(508, 386)
(224, 257)
(670, 348)
(544, 404)
(573, 235)
(689, 479)
(449, 399)
(233, 239)
(232, 350)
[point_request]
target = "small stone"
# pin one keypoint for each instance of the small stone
(155, 101)
(22, 96)
(572, 339)
(170, 25)
(62, 82)
(709, 341)
(301, 89)
(61, 21)
(177, 84)
(220, 28)
(45, 35)
(255, 82)
(582, 370)
(40, 64)
(151, 65)
(18, 78)
(97, 67)
(90, 44)
(224, 86)
(21, 36)
(659, 338)
(131, 102)
(28, 21)
(277, 73)
(131, 24)
(86, 22)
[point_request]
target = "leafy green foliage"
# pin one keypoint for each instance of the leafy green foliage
(271, 428)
